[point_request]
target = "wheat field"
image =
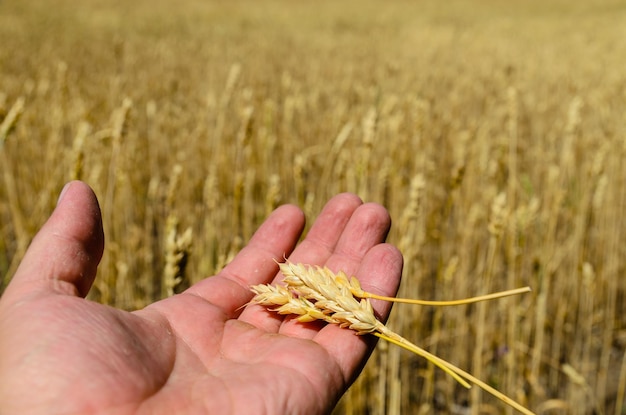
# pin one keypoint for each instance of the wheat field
(494, 133)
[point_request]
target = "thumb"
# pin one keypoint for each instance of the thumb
(64, 256)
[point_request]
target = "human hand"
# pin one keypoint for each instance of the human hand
(198, 351)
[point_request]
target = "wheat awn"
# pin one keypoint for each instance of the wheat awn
(316, 293)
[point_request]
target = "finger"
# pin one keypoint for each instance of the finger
(255, 264)
(318, 245)
(368, 227)
(63, 257)
(328, 229)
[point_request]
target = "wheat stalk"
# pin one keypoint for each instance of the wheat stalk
(10, 120)
(316, 293)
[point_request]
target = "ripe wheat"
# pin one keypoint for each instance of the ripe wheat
(316, 293)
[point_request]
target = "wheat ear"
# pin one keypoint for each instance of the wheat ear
(316, 293)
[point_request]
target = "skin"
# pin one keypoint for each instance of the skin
(202, 351)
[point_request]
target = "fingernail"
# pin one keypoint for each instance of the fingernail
(67, 186)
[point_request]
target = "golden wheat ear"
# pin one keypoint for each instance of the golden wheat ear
(316, 293)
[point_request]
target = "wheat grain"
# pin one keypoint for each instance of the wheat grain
(177, 251)
(316, 293)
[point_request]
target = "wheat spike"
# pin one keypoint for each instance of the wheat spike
(9, 121)
(316, 293)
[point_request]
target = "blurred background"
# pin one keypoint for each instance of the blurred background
(493, 132)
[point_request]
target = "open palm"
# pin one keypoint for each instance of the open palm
(197, 352)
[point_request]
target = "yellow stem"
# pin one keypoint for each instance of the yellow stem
(501, 294)
(489, 389)
(405, 344)
(459, 374)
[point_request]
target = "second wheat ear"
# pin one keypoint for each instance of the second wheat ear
(316, 293)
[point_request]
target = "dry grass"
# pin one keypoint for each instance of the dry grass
(494, 135)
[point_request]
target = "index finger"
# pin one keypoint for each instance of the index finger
(276, 237)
